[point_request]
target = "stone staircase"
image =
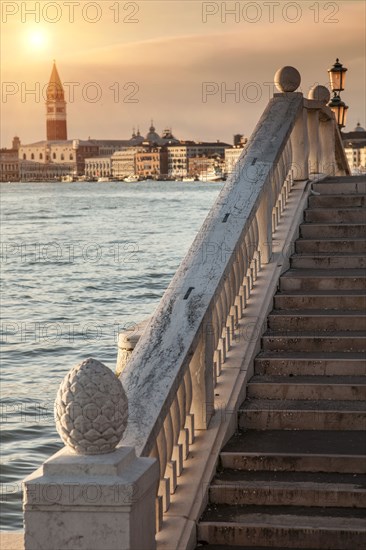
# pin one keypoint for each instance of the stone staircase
(293, 475)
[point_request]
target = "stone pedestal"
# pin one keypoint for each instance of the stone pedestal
(126, 344)
(300, 148)
(99, 502)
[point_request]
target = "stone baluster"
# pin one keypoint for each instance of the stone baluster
(265, 224)
(189, 425)
(91, 495)
(238, 279)
(164, 485)
(224, 308)
(201, 369)
(183, 434)
(318, 95)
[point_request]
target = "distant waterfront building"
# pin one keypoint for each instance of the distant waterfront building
(57, 156)
(49, 160)
(239, 140)
(199, 167)
(124, 162)
(107, 147)
(36, 171)
(99, 167)
(136, 139)
(122, 154)
(232, 154)
(152, 137)
(166, 138)
(179, 155)
(9, 162)
(355, 147)
(56, 108)
(152, 163)
(231, 158)
(178, 161)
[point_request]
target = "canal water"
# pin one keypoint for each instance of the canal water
(80, 262)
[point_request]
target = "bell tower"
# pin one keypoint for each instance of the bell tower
(56, 108)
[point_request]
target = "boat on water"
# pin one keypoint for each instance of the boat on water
(212, 174)
(131, 178)
(67, 179)
(103, 179)
(188, 179)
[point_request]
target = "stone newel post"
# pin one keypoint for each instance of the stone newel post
(91, 495)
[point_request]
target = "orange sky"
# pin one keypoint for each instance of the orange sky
(128, 62)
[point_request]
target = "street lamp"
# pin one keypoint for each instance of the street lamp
(337, 77)
(339, 108)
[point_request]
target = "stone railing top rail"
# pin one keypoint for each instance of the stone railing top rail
(160, 357)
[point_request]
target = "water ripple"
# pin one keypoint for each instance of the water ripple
(71, 282)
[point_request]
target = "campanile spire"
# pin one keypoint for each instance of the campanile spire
(56, 108)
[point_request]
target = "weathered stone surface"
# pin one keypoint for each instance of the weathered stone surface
(76, 502)
(319, 93)
(127, 341)
(287, 79)
(91, 409)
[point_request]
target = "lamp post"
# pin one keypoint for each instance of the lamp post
(339, 108)
(337, 77)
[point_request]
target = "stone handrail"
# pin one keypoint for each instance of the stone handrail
(184, 346)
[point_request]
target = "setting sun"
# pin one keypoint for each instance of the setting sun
(37, 39)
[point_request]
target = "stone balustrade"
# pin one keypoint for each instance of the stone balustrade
(180, 354)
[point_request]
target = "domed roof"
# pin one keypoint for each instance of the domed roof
(136, 139)
(359, 128)
(167, 136)
(152, 136)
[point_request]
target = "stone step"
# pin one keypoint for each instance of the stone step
(345, 179)
(204, 546)
(323, 279)
(288, 489)
(335, 215)
(341, 188)
(293, 475)
(354, 300)
(317, 319)
(314, 364)
(340, 341)
(271, 414)
(334, 231)
(327, 261)
(337, 201)
(296, 451)
(283, 527)
(352, 388)
(336, 246)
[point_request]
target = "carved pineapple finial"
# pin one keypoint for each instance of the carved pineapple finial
(91, 409)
